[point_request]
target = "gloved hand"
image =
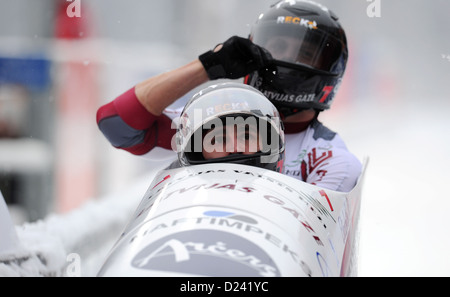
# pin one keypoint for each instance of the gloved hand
(238, 57)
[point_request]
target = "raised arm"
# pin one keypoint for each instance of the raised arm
(158, 92)
(135, 122)
(233, 59)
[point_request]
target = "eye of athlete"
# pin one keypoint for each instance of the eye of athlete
(219, 143)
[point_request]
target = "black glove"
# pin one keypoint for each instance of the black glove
(237, 58)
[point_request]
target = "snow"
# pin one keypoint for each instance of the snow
(9, 239)
(50, 247)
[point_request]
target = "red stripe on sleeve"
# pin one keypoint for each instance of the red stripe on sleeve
(132, 111)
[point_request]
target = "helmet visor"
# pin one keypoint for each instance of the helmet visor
(299, 44)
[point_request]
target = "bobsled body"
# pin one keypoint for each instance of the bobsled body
(235, 220)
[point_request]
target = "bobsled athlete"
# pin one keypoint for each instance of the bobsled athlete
(296, 55)
(232, 123)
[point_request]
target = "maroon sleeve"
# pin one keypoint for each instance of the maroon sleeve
(129, 126)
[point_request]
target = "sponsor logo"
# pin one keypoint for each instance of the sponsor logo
(289, 98)
(226, 107)
(208, 253)
(297, 21)
(227, 221)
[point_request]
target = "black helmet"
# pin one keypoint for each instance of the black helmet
(310, 54)
(210, 112)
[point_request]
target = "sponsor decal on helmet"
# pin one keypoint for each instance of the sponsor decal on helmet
(297, 21)
(289, 98)
(226, 107)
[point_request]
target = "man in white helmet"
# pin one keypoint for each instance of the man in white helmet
(232, 123)
(295, 55)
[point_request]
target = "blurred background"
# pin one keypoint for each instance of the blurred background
(56, 69)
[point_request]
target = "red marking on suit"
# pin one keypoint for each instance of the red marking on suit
(313, 162)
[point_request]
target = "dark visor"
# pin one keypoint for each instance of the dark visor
(299, 44)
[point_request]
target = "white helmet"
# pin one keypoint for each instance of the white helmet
(208, 116)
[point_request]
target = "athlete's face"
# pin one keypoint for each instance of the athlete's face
(233, 139)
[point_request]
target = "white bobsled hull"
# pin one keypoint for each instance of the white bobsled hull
(235, 220)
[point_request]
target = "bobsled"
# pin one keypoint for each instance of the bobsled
(230, 220)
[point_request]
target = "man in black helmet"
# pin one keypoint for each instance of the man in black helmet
(295, 55)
